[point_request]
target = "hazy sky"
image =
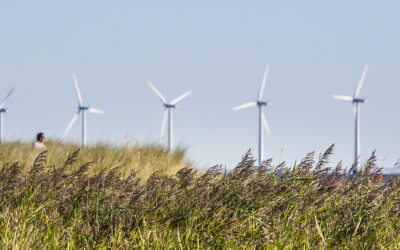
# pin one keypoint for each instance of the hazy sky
(219, 49)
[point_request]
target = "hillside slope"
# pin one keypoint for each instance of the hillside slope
(142, 159)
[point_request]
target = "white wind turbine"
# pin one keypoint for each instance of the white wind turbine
(169, 106)
(3, 110)
(262, 123)
(356, 109)
(81, 109)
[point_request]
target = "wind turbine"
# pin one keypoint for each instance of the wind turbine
(4, 110)
(356, 109)
(262, 122)
(81, 109)
(169, 106)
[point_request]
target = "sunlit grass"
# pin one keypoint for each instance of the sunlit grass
(70, 205)
(143, 159)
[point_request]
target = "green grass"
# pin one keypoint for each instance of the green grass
(48, 205)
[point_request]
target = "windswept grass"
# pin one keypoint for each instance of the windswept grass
(142, 159)
(305, 206)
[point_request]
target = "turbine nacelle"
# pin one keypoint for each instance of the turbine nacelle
(359, 100)
(169, 106)
(81, 108)
(261, 103)
(3, 110)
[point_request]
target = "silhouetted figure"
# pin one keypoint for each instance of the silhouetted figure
(39, 143)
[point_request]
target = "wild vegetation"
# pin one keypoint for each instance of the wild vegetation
(62, 205)
(144, 160)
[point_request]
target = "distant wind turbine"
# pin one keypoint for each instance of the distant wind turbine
(81, 109)
(169, 106)
(262, 122)
(4, 110)
(356, 109)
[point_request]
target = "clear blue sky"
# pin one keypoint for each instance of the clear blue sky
(218, 49)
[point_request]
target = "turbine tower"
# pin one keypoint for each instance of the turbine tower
(81, 109)
(3, 110)
(356, 109)
(262, 121)
(169, 106)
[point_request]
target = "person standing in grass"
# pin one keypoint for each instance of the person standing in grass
(39, 143)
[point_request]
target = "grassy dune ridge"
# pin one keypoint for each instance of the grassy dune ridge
(143, 159)
(304, 206)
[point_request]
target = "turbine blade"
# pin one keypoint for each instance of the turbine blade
(246, 105)
(260, 94)
(343, 98)
(78, 92)
(71, 123)
(265, 123)
(180, 98)
(355, 110)
(162, 98)
(6, 98)
(361, 82)
(163, 125)
(97, 111)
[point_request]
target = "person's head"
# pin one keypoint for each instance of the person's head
(40, 137)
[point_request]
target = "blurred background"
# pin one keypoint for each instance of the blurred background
(219, 49)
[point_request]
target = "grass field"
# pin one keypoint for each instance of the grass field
(61, 200)
(143, 159)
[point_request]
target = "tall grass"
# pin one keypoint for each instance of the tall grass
(304, 206)
(142, 159)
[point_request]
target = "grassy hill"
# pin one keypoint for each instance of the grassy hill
(142, 159)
